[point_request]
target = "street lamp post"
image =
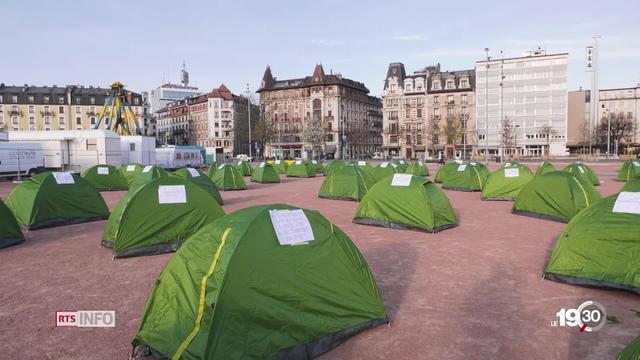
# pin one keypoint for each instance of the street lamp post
(486, 107)
(249, 115)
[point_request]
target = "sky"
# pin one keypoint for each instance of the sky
(143, 43)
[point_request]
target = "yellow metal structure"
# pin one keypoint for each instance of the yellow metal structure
(117, 113)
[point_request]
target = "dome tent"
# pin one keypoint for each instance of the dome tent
(212, 169)
(629, 170)
(195, 176)
(406, 201)
(544, 168)
(467, 177)
(555, 196)
(129, 170)
(55, 199)
(580, 169)
(631, 352)
(10, 233)
(244, 168)
(300, 169)
(350, 182)
(106, 178)
(632, 185)
(506, 182)
(281, 166)
(333, 166)
(364, 165)
(402, 165)
(384, 170)
(227, 177)
(417, 168)
(146, 175)
(270, 297)
(600, 245)
(445, 170)
(265, 173)
(138, 224)
(317, 166)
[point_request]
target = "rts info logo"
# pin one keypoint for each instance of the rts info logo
(85, 318)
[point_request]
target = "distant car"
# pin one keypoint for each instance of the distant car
(243, 157)
(377, 156)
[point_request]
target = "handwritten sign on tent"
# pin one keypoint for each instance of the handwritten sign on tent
(362, 163)
(384, 164)
(511, 172)
(627, 202)
(462, 167)
(172, 194)
(147, 168)
(298, 162)
(277, 162)
(103, 170)
(193, 172)
(401, 180)
(63, 178)
(291, 226)
(131, 168)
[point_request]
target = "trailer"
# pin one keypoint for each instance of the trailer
(73, 150)
(175, 157)
(138, 149)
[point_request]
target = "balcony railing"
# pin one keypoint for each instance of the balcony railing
(47, 113)
(91, 113)
(15, 113)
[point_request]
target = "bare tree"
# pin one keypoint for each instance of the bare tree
(547, 132)
(507, 132)
(314, 133)
(452, 129)
(621, 129)
(433, 134)
(264, 131)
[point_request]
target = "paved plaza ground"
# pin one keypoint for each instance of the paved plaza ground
(472, 292)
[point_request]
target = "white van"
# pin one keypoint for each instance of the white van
(175, 157)
(28, 157)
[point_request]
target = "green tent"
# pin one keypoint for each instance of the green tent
(10, 233)
(158, 217)
(350, 182)
(630, 170)
(544, 168)
(333, 166)
(364, 165)
(417, 168)
(583, 170)
(191, 174)
(631, 352)
(212, 169)
(402, 165)
(445, 170)
(317, 166)
(558, 196)
(227, 177)
(281, 166)
(600, 245)
(467, 177)
(265, 173)
(632, 185)
(106, 178)
(130, 170)
(233, 291)
(146, 175)
(406, 201)
(384, 170)
(300, 169)
(506, 182)
(244, 168)
(55, 199)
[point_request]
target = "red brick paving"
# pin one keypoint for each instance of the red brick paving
(471, 292)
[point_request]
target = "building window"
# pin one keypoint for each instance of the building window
(60, 99)
(464, 99)
(449, 99)
(419, 113)
(32, 120)
(93, 100)
(93, 120)
(77, 109)
(31, 109)
(77, 99)
(464, 111)
(450, 111)
(14, 99)
(408, 114)
(14, 120)
(435, 85)
(78, 121)
(31, 99)
(436, 100)
(47, 120)
(464, 83)
(450, 84)
(436, 113)
(61, 109)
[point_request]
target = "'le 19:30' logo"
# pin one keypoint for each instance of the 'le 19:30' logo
(590, 316)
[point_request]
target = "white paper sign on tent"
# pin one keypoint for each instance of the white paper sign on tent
(420, 163)
(291, 226)
(401, 180)
(636, 163)
(262, 164)
(512, 172)
(103, 170)
(63, 178)
(474, 163)
(147, 168)
(402, 162)
(298, 162)
(172, 194)
(462, 167)
(314, 162)
(240, 162)
(507, 164)
(458, 161)
(394, 165)
(221, 166)
(131, 168)
(384, 164)
(627, 202)
(581, 169)
(362, 163)
(193, 172)
(277, 162)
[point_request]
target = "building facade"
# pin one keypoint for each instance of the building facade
(521, 105)
(31, 108)
(429, 113)
(338, 109)
(625, 101)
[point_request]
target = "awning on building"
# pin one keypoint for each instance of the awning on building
(330, 148)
